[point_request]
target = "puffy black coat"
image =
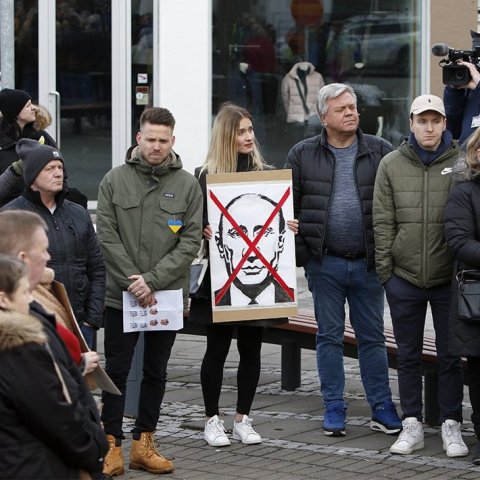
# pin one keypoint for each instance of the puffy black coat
(462, 232)
(42, 434)
(313, 167)
(9, 136)
(75, 254)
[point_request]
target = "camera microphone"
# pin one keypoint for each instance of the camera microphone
(440, 49)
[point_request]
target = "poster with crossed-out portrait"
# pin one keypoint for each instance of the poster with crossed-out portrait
(252, 251)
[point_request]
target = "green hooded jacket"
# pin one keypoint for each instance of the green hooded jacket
(136, 203)
(408, 203)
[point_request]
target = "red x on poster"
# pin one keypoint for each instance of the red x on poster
(252, 252)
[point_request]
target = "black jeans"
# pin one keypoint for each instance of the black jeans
(408, 308)
(249, 343)
(119, 350)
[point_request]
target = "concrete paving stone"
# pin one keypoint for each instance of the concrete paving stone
(346, 463)
(269, 402)
(433, 475)
(287, 428)
(182, 395)
(308, 471)
(358, 436)
(391, 472)
(295, 455)
(470, 475)
(263, 451)
(308, 405)
(280, 466)
(368, 466)
(446, 476)
(268, 378)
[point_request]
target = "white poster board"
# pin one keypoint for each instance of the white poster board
(166, 314)
(252, 252)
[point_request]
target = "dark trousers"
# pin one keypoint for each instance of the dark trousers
(408, 308)
(249, 344)
(473, 377)
(119, 350)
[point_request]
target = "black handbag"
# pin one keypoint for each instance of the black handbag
(469, 295)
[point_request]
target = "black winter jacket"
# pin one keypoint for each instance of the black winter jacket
(43, 434)
(75, 254)
(9, 136)
(313, 167)
(462, 232)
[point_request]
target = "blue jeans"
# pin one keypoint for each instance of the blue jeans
(408, 308)
(331, 282)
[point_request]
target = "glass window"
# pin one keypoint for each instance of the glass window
(142, 60)
(83, 77)
(272, 57)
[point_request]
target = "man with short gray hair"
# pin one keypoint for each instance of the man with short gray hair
(333, 179)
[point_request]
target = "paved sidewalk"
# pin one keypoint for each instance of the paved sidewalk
(294, 446)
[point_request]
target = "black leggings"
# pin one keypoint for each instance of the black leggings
(249, 344)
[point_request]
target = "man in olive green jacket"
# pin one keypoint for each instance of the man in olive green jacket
(415, 267)
(149, 225)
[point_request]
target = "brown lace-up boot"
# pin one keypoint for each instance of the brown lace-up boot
(113, 461)
(143, 455)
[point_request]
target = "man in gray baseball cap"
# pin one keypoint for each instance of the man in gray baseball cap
(415, 267)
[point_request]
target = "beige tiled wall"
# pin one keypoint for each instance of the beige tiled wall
(451, 22)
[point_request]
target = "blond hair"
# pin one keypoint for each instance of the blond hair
(223, 153)
(473, 144)
(43, 119)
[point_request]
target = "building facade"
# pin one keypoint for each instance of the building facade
(96, 64)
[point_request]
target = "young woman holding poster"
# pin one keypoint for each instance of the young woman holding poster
(233, 148)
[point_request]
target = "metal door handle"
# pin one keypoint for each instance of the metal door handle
(57, 115)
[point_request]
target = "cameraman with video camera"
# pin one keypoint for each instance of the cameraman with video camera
(462, 92)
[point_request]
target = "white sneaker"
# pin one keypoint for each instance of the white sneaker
(243, 431)
(410, 438)
(453, 443)
(214, 433)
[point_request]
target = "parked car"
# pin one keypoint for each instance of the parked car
(387, 42)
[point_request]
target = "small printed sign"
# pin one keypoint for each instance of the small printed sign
(142, 78)
(166, 314)
(141, 95)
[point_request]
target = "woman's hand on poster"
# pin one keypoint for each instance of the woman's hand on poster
(207, 232)
(293, 225)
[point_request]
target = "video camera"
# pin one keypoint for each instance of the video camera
(455, 75)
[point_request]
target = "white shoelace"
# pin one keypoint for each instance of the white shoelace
(218, 427)
(453, 433)
(407, 433)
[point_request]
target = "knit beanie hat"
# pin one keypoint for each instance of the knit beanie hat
(12, 102)
(35, 156)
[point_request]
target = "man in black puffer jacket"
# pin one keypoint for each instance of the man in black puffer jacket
(73, 247)
(333, 178)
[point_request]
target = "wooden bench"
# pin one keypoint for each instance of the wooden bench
(300, 332)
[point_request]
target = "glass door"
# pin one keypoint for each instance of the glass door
(63, 59)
